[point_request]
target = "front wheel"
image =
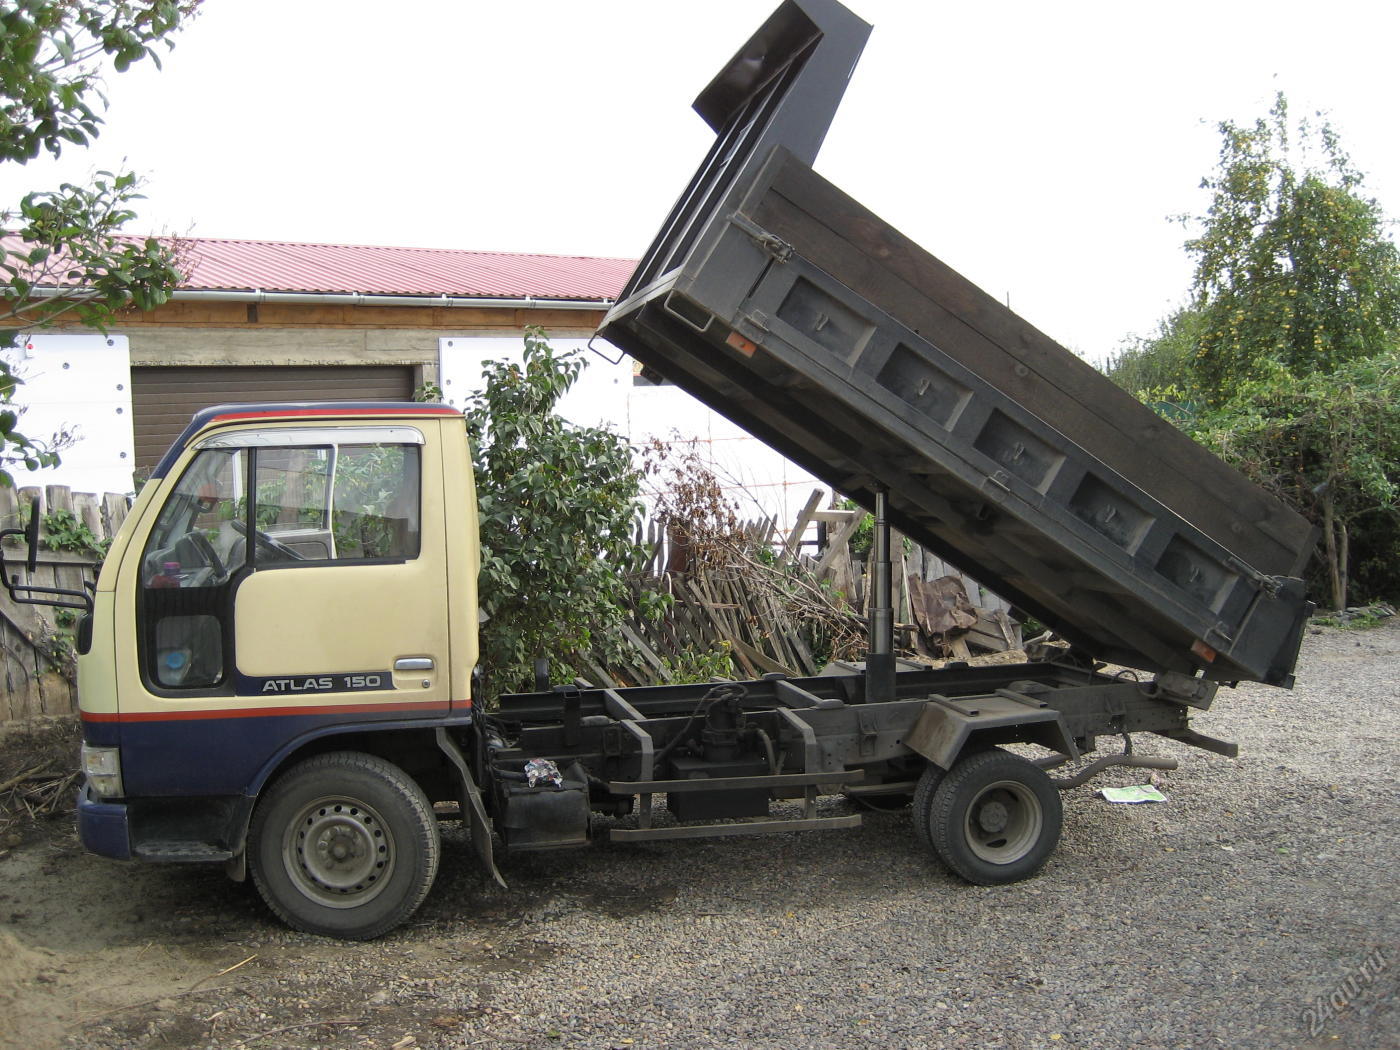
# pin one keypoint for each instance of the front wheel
(994, 818)
(344, 845)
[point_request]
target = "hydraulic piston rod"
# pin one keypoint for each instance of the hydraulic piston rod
(879, 659)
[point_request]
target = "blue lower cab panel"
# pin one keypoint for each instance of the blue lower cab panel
(225, 753)
(102, 826)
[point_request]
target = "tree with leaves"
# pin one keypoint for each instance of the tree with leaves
(1293, 264)
(63, 252)
(1330, 446)
(558, 505)
(1161, 365)
(1287, 360)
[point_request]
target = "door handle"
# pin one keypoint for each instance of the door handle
(414, 663)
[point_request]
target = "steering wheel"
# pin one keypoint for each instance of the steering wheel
(206, 553)
(267, 543)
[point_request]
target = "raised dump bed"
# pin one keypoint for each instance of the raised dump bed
(788, 307)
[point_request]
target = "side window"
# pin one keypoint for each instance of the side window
(196, 545)
(375, 511)
(352, 502)
(291, 493)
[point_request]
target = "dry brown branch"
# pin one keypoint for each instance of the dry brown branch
(194, 990)
(38, 795)
(225, 970)
(24, 776)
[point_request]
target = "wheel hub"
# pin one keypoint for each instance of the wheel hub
(339, 852)
(1003, 822)
(993, 817)
(338, 844)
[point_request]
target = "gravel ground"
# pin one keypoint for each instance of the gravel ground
(1257, 908)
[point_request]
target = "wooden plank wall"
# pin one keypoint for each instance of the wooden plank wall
(37, 675)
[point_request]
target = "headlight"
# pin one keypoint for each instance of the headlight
(103, 766)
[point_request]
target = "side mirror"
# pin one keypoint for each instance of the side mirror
(31, 593)
(31, 538)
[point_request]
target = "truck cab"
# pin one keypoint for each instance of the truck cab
(290, 578)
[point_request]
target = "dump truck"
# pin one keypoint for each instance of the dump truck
(276, 661)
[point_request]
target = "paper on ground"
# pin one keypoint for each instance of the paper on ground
(1135, 793)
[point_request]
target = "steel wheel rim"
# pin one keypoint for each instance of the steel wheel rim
(339, 852)
(1003, 822)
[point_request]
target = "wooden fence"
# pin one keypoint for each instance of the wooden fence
(804, 603)
(38, 667)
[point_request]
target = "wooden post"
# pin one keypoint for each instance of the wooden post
(29, 494)
(794, 540)
(114, 510)
(60, 497)
(88, 513)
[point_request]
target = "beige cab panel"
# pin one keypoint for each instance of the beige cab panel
(307, 621)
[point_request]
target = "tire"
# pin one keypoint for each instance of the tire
(931, 777)
(344, 845)
(995, 818)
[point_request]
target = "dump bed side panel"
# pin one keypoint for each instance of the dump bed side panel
(876, 261)
(803, 317)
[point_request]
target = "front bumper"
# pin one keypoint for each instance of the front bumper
(103, 827)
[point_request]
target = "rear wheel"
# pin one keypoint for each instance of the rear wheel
(344, 845)
(994, 818)
(923, 799)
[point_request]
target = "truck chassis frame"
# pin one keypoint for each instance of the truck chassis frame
(801, 738)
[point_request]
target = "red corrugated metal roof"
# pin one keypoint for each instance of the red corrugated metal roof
(280, 266)
(277, 266)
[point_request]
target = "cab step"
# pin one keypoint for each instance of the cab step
(180, 852)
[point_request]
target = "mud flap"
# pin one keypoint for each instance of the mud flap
(473, 811)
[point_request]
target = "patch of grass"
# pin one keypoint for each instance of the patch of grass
(1356, 619)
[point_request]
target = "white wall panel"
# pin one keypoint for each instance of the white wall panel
(82, 383)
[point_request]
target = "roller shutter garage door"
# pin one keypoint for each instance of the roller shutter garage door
(164, 399)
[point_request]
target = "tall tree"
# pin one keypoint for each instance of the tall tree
(1329, 445)
(54, 55)
(1293, 264)
(1287, 362)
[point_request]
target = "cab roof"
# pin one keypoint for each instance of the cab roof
(295, 410)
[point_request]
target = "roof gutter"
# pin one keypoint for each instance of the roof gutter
(257, 295)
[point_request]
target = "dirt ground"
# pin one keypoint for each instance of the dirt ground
(1212, 921)
(100, 953)
(125, 955)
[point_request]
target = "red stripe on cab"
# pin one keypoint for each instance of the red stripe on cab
(271, 712)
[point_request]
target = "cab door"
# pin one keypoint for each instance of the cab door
(295, 577)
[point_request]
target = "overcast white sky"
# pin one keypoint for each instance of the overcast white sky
(1038, 148)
